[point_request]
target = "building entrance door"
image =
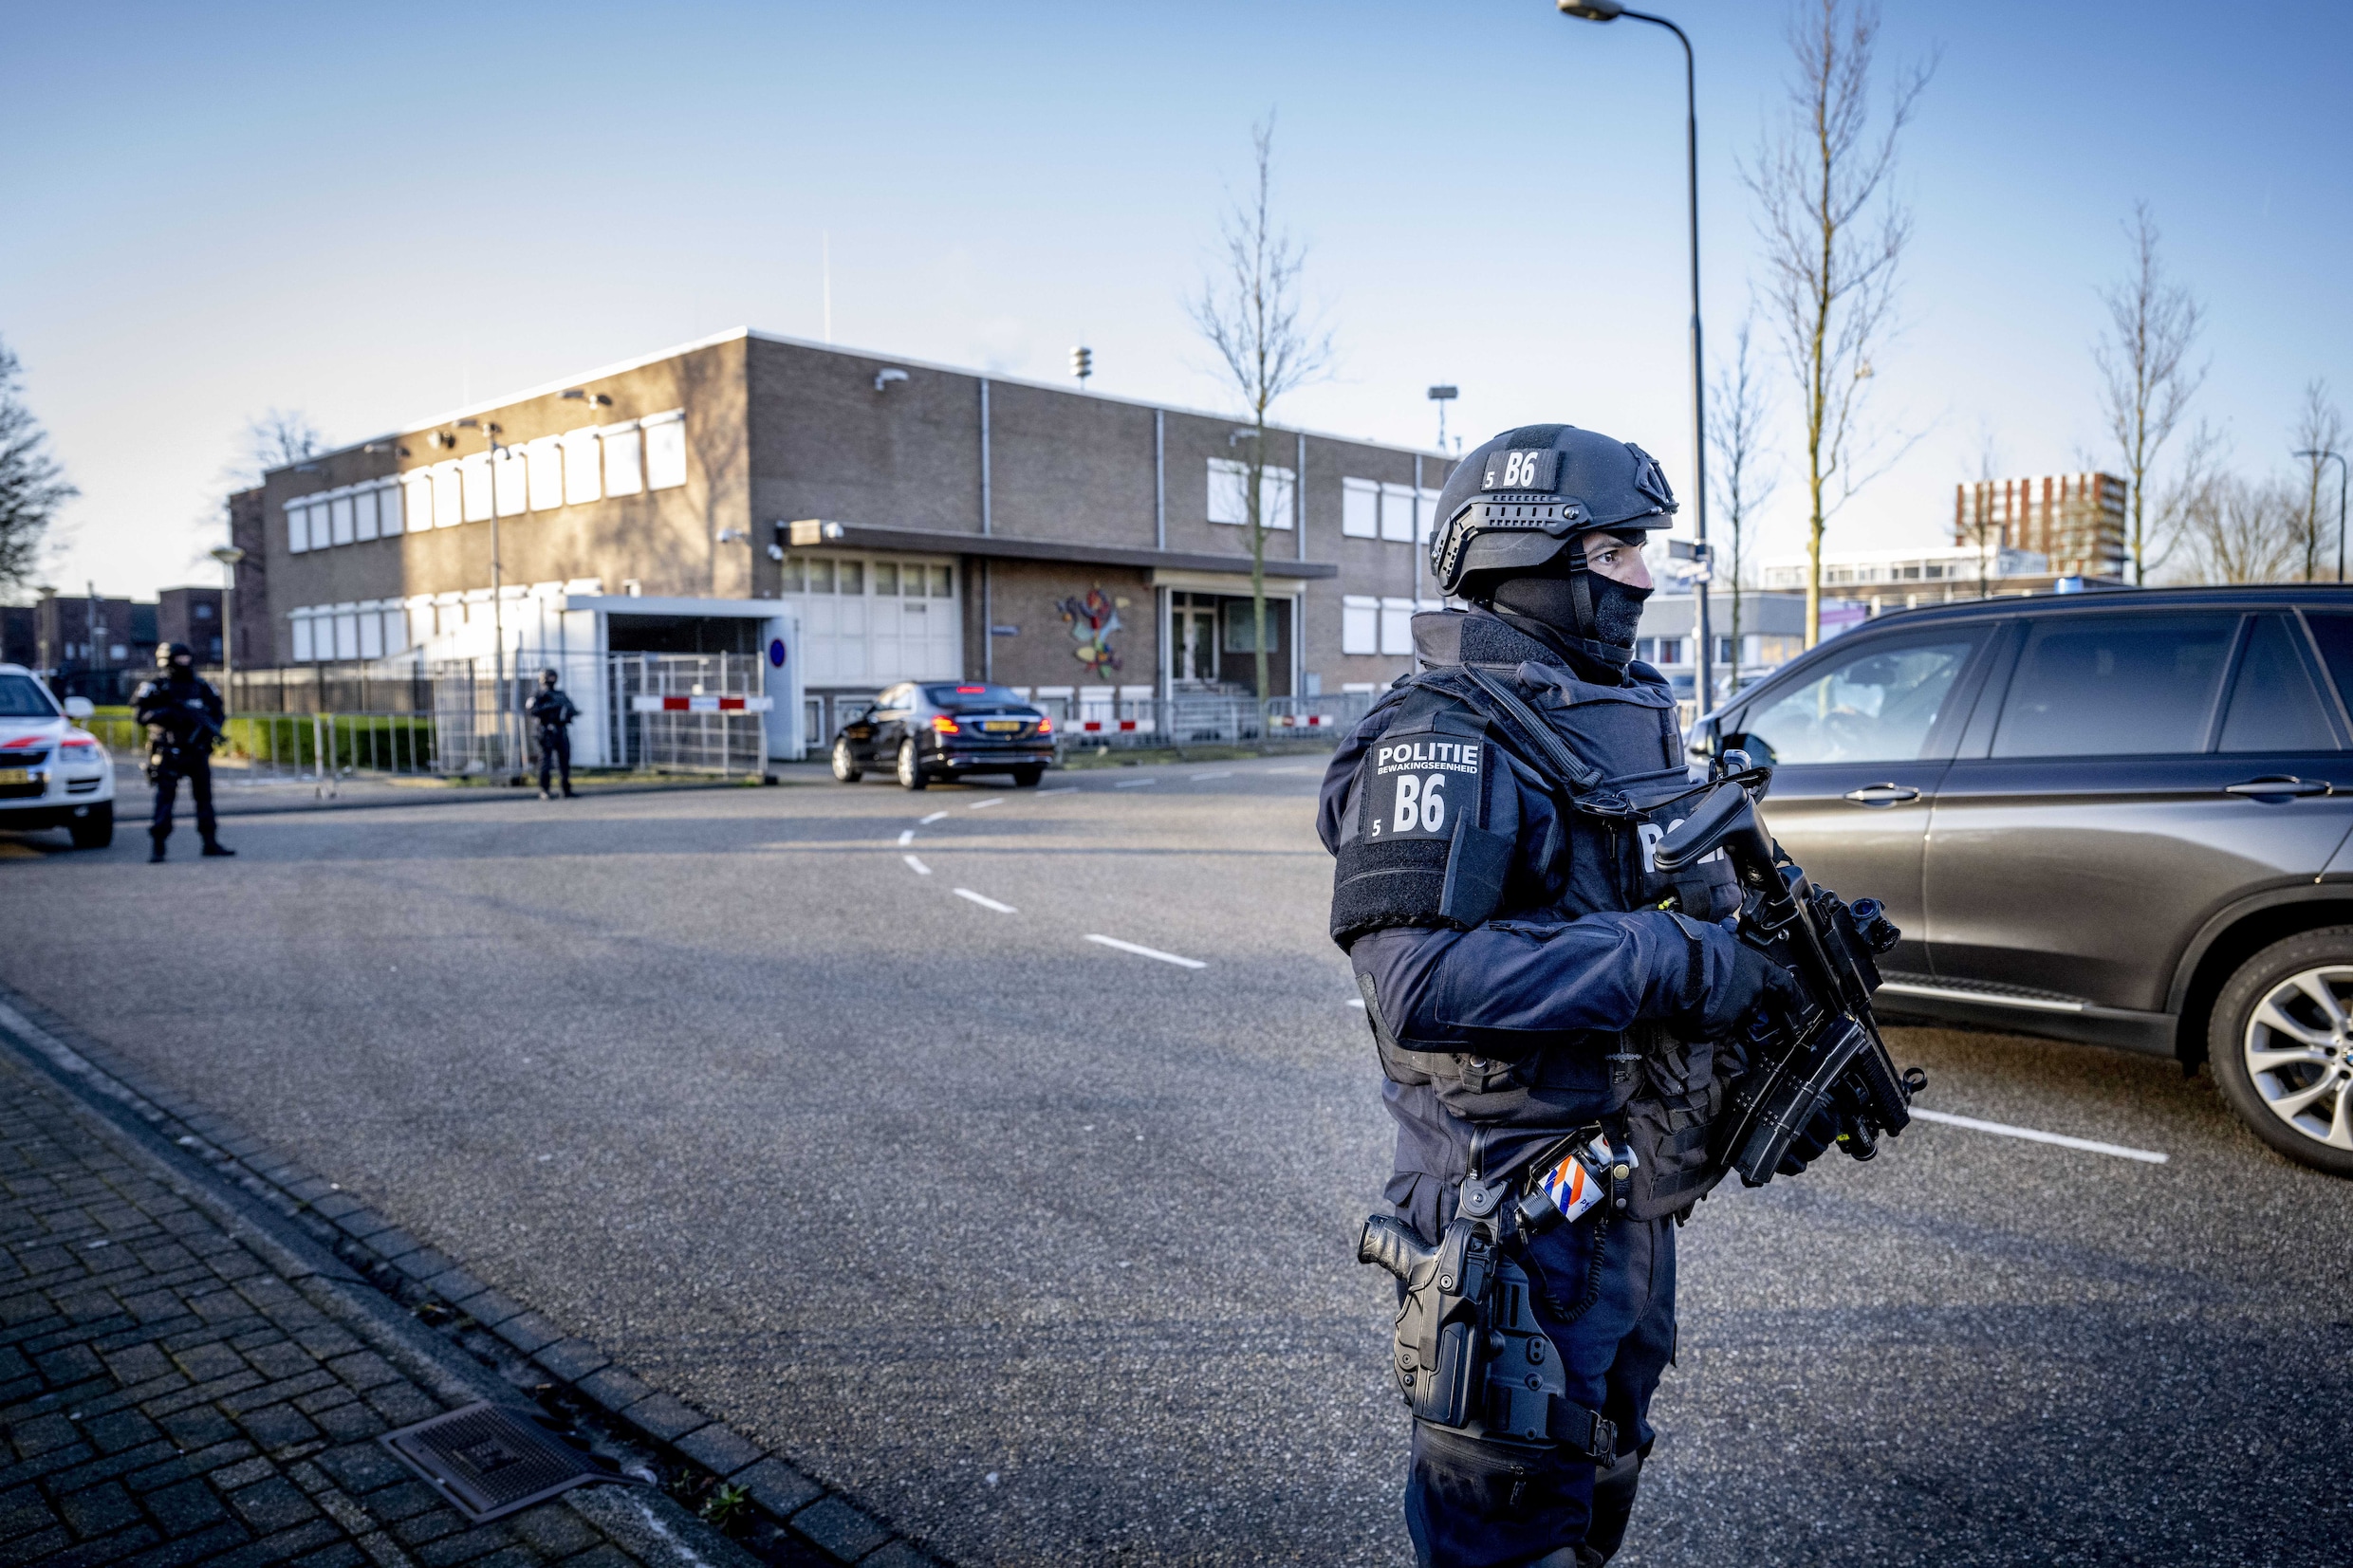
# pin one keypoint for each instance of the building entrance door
(1193, 637)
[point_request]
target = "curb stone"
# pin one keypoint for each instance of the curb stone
(418, 1308)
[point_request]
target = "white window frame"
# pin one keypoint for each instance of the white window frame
(1360, 623)
(416, 499)
(1360, 509)
(1429, 512)
(388, 498)
(300, 620)
(511, 482)
(1229, 494)
(364, 513)
(474, 472)
(624, 459)
(665, 448)
(448, 507)
(1397, 626)
(545, 457)
(297, 527)
(583, 476)
(1398, 506)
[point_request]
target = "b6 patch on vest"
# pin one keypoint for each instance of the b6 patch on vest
(1417, 786)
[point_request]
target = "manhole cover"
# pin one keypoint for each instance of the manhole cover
(490, 1461)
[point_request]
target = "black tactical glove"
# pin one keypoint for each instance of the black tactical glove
(1755, 978)
(1810, 1143)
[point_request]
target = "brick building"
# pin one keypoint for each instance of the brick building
(920, 522)
(2075, 521)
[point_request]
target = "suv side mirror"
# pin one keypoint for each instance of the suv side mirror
(78, 708)
(1704, 737)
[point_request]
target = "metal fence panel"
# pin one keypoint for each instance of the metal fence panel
(727, 744)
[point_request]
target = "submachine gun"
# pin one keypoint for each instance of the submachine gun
(1824, 1050)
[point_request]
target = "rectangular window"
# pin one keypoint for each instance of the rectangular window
(624, 473)
(545, 457)
(448, 504)
(795, 575)
(1360, 509)
(943, 582)
(1359, 624)
(1396, 625)
(363, 515)
(301, 623)
(421, 624)
(665, 451)
(1242, 626)
(511, 482)
(475, 472)
(2115, 685)
(297, 529)
(395, 632)
(582, 478)
(416, 500)
(1429, 510)
(388, 508)
(852, 579)
(1229, 493)
(887, 576)
(820, 576)
(1878, 705)
(371, 635)
(338, 519)
(1398, 503)
(346, 634)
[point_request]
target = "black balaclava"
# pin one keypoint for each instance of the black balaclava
(1549, 599)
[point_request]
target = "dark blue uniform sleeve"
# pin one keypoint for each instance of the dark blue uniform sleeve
(1513, 986)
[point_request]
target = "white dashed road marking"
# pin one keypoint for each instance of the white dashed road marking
(994, 799)
(1149, 953)
(906, 837)
(917, 866)
(986, 902)
(2148, 1156)
(1133, 784)
(1058, 789)
(933, 817)
(1200, 778)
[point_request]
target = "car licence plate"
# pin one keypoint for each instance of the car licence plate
(16, 775)
(1001, 726)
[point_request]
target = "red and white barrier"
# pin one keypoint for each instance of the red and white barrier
(702, 705)
(1306, 721)
(1113, 726)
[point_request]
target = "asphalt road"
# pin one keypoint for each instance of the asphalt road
(1040, 1248)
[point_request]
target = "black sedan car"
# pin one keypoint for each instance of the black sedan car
(940, 730)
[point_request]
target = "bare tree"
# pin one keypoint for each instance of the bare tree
(2241, 530)
(2320, 430)
(1737, 407)
(2146, 380)
(1834, 234)
(278, 439)
(1249, 311)
(32, 486)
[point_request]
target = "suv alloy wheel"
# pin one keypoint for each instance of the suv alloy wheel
(2281, 1047)
(845, 762)
(910, 767)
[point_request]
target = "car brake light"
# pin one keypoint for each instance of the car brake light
(971, 691)
(943, 724)
(1045, 727)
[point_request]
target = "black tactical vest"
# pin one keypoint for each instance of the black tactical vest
(1430, 838)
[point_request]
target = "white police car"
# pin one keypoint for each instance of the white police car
(53, 773)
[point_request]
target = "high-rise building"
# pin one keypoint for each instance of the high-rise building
(2074, 521)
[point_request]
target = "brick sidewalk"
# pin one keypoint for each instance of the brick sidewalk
(178, 1387)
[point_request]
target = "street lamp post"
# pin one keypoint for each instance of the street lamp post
(229, 555)
(1609, 11)
(508, 745)
(2338, 458)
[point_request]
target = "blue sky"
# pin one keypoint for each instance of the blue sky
(375, 215)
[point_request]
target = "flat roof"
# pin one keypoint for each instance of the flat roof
(869, 536)
(729, 336)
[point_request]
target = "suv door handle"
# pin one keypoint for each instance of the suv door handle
(2278, 787)
(1881, 794)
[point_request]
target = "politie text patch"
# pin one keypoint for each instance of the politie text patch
(1520, 469)
(1419, 786)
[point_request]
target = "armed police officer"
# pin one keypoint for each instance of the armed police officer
(553, 712)
(1554, 1018)
(183, 715)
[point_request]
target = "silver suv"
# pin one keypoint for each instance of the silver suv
(2112, 817)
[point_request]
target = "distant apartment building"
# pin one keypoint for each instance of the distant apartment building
(93, 647)
(919, 521)
(2075, 521)
(1900, 578)
(192, 615)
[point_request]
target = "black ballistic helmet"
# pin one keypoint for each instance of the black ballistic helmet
(167, 653)
(1526, 497)
(546, 677)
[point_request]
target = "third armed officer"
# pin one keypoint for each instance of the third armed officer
(1552, 1015)
(183, 715)
(553, 711)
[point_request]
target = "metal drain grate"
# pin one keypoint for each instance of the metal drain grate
(490, 1461)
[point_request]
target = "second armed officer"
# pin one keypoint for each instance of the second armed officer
(1538, 993)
